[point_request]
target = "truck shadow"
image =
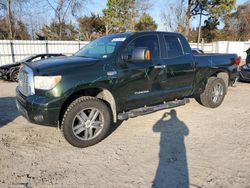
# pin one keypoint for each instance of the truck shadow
(8, 110)
(172, 169)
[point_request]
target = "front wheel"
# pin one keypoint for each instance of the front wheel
(14, 76)
(86, 122)
(214, 93)
(1, 73)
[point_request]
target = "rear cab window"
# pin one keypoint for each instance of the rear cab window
(173, 47)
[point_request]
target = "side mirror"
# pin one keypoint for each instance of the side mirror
(138, 54)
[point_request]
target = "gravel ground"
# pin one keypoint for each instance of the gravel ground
(189, 146)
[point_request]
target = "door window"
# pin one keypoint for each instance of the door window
(149, 41)
(173, 47)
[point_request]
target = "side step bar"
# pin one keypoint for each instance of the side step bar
(148, 110)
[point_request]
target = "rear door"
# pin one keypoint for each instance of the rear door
(176, 78)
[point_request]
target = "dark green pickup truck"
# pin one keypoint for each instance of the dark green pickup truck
(117, 77)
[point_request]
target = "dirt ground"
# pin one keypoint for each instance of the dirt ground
(190, 145)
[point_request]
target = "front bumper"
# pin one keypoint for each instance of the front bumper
(38, 109)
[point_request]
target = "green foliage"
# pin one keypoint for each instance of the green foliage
(90, 27)
(211, 8)
(146, 23)
(210, 30)
(217, 8)
(236, 26)
(118, 15)
(54, 30)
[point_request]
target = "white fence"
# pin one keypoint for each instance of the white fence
(15, 50)
(238, 48)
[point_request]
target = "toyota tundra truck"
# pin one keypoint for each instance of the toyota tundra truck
(117, 77)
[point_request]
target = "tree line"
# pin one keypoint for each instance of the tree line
(218, 19)
(222, 20)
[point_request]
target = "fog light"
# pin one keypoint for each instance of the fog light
(38, 118)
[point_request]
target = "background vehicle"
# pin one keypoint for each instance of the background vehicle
(248, 56)
(117, 77)
(197, 51)
(244, 70)
(10, 71)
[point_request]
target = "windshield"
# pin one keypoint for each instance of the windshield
(102, 48)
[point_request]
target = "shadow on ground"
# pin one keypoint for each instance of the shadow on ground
(172, 169)
(8, 110)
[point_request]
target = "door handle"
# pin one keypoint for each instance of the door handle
(111, 73)
(160, 66)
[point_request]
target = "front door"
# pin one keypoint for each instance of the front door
(135, 83)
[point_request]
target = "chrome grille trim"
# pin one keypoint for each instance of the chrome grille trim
(26, 81)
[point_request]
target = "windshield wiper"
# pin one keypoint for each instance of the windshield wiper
(82, 56)
(86, 56)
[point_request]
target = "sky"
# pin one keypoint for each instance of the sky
(98, 5)
(45, 14)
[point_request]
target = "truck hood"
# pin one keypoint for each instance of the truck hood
(60, 63)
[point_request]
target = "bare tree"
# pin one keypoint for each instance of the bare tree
(2, 7)
(237, 24)
(11, 11)
(62, 8)
(143, 6)
(173, 17)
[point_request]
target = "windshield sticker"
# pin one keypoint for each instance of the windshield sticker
(105, 56)
(118, 39)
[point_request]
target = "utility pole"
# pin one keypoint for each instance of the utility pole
(199, 34)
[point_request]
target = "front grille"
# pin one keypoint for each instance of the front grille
(25, 82)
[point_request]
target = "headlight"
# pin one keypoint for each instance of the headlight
(46, 82)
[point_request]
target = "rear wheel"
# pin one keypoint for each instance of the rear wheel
(213, 94)
(86, 122)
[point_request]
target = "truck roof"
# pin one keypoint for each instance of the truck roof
(142, 32)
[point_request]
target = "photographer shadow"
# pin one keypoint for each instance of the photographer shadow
(8, 110)
(172, 169)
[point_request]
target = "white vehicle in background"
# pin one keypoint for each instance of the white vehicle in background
(197, 51)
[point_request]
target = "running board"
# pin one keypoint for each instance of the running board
(151, 109)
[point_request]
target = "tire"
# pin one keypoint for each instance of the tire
(1, 74)
(14, 76)
(214, 93)
(86, 122)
